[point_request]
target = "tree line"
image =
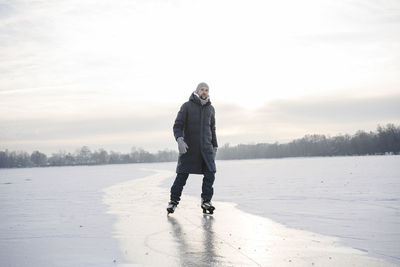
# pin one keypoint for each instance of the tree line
(82, 156)
(386, 140)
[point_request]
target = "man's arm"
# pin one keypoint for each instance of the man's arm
(213, 133)
(180, 122)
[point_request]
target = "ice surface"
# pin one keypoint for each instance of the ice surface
(230, 237)
(337, 211)
(55, 216)
(356, 198)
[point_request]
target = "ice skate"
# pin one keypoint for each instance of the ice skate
(172, 206)
(207, 207)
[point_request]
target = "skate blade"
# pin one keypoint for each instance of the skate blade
(170, 211)
(208, 211)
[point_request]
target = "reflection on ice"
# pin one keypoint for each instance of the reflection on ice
(230, 237)
(201, 251)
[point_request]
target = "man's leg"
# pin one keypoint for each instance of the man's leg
(208, 181)
(177, 187)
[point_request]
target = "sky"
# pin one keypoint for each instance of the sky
(113, 74)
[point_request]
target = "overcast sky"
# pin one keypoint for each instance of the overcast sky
(113, 74)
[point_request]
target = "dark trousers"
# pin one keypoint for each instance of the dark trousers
(207, 189)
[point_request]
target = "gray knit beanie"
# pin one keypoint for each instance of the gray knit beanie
(201, 85)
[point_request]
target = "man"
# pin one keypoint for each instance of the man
(194, 130)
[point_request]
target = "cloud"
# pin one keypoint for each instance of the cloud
(74, 72)
(278, 120)
(334, 109)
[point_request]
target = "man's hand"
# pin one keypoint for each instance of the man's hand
(182, 146)
(215, 151)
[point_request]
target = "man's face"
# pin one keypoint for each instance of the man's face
(203, 92)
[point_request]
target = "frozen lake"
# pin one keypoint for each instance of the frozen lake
(355, 198)
(56, 216)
